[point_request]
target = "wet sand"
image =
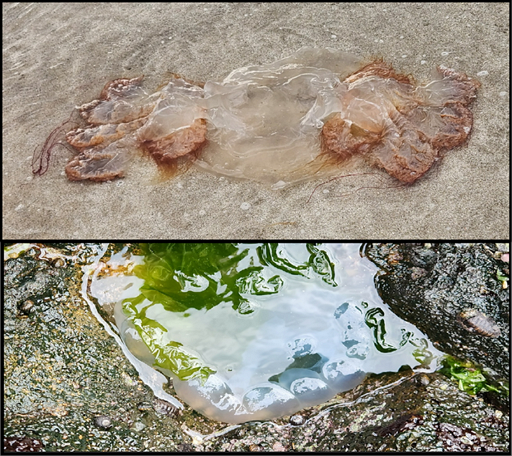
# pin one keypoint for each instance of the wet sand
(59, 56)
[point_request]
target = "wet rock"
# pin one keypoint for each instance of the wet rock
(52, 350)
(390, 412)
(459, 302)
(409, 420)
(185, 448)
(22, 445)
(455, 438)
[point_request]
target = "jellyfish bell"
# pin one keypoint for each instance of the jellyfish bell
(316, 325)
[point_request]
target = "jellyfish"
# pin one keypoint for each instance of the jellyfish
(255, 331)
(301, 117)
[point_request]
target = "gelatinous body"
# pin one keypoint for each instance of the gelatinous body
(401, 127)
(256, 331)
(279, 123)
(125, 118)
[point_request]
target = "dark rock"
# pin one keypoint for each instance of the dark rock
(455, 438)
(185, 448)
(22, 445)
(458, 302)
(410, 420)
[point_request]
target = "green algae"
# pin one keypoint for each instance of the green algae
(185, 276)
(471, 378)
(502, 278)
(202, 275)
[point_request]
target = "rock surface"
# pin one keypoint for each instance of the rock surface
(453, 294)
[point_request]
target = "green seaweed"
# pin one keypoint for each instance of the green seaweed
(501, 277)
(318, 263)
(471, 378)
(374, 319)
(185, 276)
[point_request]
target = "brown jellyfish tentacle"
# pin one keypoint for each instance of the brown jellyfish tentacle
(104, 151)
(347, 138)
(177, 125)
(404, 153)
(124, 119)
(42, 155)
(417, 122)
(102, 134)
(101, 164)
(104, 144)
(177, 144)
(120, 101)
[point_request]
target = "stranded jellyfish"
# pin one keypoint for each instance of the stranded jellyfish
(279, 123)
(254, 331)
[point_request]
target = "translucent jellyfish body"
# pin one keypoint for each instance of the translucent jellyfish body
(279, 123)
(255, 331)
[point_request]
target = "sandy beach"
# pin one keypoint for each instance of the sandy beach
(58, 56)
